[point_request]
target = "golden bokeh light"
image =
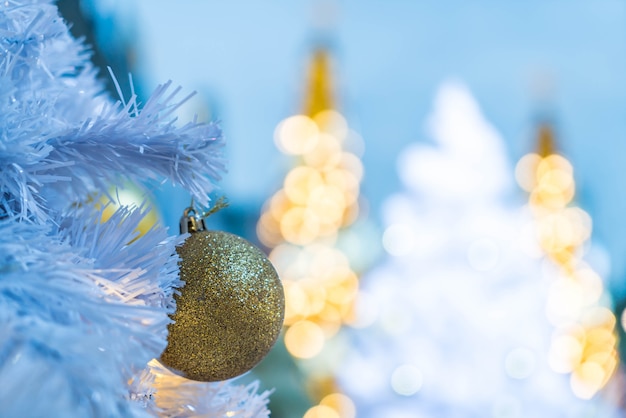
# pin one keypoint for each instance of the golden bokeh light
(553, 162)
(296, 302)
(300, 182)
(550, 196)
(526, 171)
(268, 230)
(329, 320)
(304, 339)
(343, 180)
(333, 123)
(600, 316)
(587, 379)
(300, 225)
(351, 214)
(340, 403)
(329, 204)
(584, 342)
(278, 205)
(296, 135)
(326, 154)
(343, 291)
(322, 411)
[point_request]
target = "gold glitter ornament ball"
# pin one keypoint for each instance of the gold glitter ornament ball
(229, 312)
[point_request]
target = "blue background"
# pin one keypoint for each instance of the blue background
(247, 60)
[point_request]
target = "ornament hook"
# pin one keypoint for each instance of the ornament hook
(190, 222)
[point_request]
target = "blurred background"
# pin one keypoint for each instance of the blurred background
(439, 185)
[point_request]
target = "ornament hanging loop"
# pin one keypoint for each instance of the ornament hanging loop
(190, 222)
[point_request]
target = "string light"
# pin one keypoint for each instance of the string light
(129, 195)
(584, 340)
(302, 221)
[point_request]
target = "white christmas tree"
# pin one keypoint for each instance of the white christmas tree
(84, 305)
(456, 323)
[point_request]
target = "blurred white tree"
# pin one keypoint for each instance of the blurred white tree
(454, 319)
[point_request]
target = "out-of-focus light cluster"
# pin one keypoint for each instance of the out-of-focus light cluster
(320, 195)
(584, 341)
(302, 223)
(302, 220)
(320, 289)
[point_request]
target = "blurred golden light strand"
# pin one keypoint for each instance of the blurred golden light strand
(584, 340)
(301, 223)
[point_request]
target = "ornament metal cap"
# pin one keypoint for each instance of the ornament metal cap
(190, 222)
